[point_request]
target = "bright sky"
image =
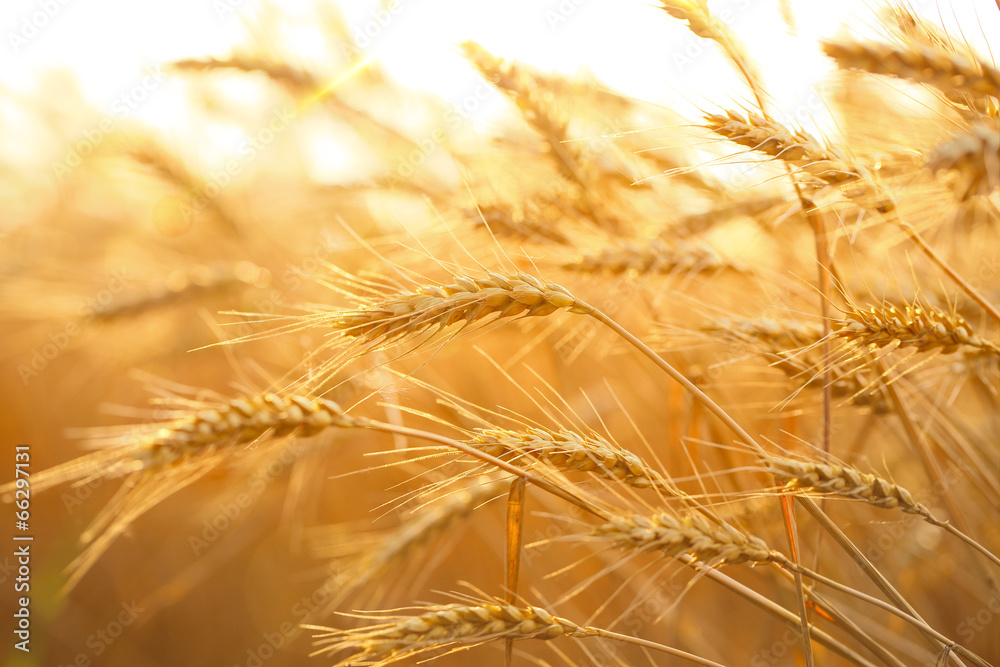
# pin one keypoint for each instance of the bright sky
(629, 44)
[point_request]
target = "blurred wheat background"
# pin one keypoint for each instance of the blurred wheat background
(587, 331)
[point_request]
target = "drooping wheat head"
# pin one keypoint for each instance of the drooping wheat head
(921, 63)
(843, 481)
(692, 534)
(567, 450)
(443, 627)
(915, 324)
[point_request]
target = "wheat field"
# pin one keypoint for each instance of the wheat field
(593, 381)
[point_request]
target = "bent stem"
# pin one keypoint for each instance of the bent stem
(726, 419)
(971, 291)
(793, 620)
(919, 439)
(965, 538)
(862, 561)
(540, 482)
(699, 395)
(628, 639)
(915, 622)
(789, 618)
(842, 619)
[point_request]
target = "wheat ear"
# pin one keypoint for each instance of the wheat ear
(910, 28)
(655, 257)
(973, 160)
(945, 70)
(843, 481)
(467, 300)
(462, 625)
(777, 334)
(801, 150)
(702, 23)
(442, 627)
(914, 325)
(535, 105)
(790, 347)
(418, 529)
(238, 421)
(180, 285)
(847, 482)
(567, 450)
(690, 534)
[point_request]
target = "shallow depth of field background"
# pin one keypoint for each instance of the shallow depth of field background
(92, 75)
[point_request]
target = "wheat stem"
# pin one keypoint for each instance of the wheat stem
(791, 619)
(949, 271)
(912, 620)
